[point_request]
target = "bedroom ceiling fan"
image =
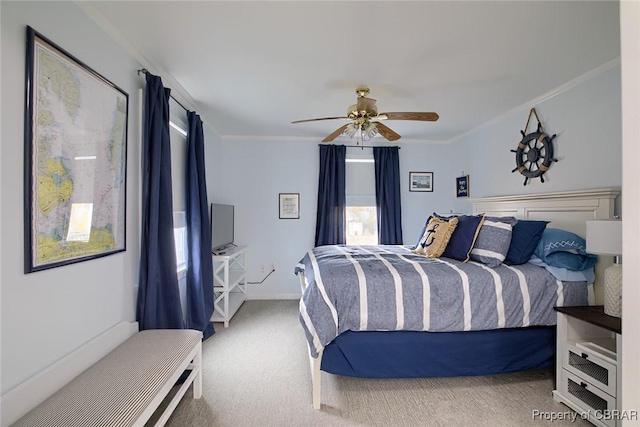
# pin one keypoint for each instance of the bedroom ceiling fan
(366, 122)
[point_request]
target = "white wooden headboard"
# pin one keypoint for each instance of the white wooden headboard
(567, 210)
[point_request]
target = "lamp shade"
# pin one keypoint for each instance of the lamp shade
(604, 237)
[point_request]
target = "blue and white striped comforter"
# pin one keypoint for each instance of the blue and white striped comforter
(385, 288)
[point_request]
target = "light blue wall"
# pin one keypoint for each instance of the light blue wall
(250, 174)
(417, 206)
(588, 145)
(47, 314)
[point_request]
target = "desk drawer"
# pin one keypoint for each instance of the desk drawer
(594, 402)
(590, 367)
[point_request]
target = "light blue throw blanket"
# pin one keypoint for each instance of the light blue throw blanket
(386, 288)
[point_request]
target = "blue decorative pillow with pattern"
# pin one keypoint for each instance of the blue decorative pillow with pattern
(493, 241)
(564, 249)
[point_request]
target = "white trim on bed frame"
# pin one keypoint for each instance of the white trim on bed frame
(567, 210)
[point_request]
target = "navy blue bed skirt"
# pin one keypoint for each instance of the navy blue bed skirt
(409, 354)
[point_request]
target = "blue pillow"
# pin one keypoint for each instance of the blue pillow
(464, 237)
(561, 248)
(524, 239)
(565, 274)
(493, 241)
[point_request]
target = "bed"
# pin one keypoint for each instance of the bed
(385, 312)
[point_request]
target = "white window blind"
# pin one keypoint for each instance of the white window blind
(178, 116)
(360, 179)
(178, 139)
(361, 198)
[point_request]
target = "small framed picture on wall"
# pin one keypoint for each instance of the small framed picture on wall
(289, 205)
(421, 181)
(462, 186)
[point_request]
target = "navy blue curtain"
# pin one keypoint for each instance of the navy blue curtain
(199, 263)
(158, 294)
(332, 199)
(387, 165)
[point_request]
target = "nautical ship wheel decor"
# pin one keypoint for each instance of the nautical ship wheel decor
(534, 154)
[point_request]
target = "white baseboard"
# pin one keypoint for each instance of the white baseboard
(272, 296)
(18, 401)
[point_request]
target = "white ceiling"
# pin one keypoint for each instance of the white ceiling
(250, 68)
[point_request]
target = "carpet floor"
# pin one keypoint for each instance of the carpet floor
(256, 373)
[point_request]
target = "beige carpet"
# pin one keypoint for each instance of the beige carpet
(256, 373)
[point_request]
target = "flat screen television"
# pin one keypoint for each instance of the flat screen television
(222, 224)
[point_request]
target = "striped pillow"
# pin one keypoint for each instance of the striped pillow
(494, 239)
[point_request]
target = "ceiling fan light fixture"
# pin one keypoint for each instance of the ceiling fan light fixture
(351, 130)
(367, 122)
(369, 130)
(352, 111)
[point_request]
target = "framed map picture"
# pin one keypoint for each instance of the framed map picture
(75, 159)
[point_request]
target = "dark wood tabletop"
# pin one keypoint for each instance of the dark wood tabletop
(595, 315)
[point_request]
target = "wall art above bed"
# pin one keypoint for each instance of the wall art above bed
(462, 186)
(421, 181)
(75, 159)
(534, 154)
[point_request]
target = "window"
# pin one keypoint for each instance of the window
(178, 138)
(180, 237)
(361, 213)
(362, 225)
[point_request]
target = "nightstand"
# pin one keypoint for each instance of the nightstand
(588, 369)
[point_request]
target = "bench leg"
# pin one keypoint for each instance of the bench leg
(197, 382)
(195, 378)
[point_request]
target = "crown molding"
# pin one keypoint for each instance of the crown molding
(340, 139)
(544, 97)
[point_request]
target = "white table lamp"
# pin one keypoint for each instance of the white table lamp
(604, 237)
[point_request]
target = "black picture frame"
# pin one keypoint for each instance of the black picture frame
(462, 186)
(421, 181)
(289, 205)
(75, 159)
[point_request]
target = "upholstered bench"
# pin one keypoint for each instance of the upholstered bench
(125, 387)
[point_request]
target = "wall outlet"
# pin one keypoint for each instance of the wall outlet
(273, 266)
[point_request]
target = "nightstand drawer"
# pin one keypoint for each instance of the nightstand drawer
(590, 398)
(590, 367)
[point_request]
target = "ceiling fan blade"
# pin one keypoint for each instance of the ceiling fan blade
(323, 118)
(335, 133)
(425, 117)
(386, 132)
(366, 104)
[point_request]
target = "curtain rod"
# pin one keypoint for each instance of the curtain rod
(145, 71)
(362, 146)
